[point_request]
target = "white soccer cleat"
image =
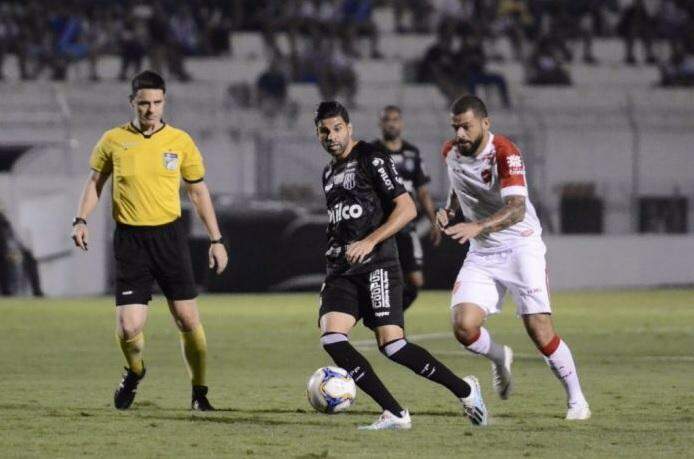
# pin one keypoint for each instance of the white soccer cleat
(578, 412)
(501, 375)
(389, 421)
(473, 404)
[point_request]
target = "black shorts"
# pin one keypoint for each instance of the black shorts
(375, 296)
(148, 253)
(410, 250)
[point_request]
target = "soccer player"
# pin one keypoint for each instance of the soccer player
(410, 167)
(367, 206)
(506, 252)
(147, 159)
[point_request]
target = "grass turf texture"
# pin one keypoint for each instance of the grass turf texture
(60, 364)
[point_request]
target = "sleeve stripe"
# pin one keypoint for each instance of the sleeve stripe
(194, 181)
(514, 191)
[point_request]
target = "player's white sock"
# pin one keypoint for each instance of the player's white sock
(484, 345)
(558, 357)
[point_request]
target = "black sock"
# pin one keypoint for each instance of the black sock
(345, 356)
(409, 294)
(426, 365)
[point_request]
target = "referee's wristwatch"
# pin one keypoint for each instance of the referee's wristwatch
(79, 221)
(217, 241)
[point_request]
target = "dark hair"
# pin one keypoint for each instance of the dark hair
(330, 109)
(390, 108)
(147, 80)
(469, 102)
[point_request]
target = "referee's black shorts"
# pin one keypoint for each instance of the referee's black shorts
(148, 253)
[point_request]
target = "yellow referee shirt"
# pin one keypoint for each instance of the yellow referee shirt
(147, 172)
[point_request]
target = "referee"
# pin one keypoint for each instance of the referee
(147, 159)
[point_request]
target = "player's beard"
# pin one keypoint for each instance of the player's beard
(468, 149)
(390, 134)
(336, 149)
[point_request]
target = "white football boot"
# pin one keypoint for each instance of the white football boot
(578, 411)
(473, 404)
(501, 375)
(389, 421)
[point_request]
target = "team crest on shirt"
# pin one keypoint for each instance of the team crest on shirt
(170, 160)
(349, 181)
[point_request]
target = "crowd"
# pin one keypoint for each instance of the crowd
(48, 36)
(323, 36)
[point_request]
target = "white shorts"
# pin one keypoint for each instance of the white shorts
(485, 277)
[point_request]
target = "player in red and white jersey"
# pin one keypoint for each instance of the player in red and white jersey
(481, 184)
(506, 253)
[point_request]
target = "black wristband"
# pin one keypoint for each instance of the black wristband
(78, 220)
(218, 241)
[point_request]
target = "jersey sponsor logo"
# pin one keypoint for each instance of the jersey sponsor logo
(386, 180)
(170, 160)
(380, 292)
(341, 212)
(515, 164)
(377, 162)
(328, 186)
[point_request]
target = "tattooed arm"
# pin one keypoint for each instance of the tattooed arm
(512, 213)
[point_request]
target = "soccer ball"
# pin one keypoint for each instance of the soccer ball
(331, 390)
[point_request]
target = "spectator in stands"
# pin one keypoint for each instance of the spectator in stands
(184, 42)
(334, 73)
(133, 41)
(637, 23)
(545, 66)
(13, 38)
(314, 20)
(673, 23)
(419, 12)
(471, 68)
(215, 27)
(514, 19)
(438, 65)
(97, 34)
(578, 19)
(273, 17)
(271, 89)
(357, 21)
(681, 71)
(158, 38)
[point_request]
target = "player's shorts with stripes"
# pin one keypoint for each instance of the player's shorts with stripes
(148, 253)
(410, 250)
(485, 278)
(374, 296)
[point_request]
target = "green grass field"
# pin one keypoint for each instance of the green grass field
(60, 364)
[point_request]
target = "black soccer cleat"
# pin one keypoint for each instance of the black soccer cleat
(126, 390)
(199, 401)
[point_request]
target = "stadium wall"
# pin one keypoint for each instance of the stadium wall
(597, 262)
